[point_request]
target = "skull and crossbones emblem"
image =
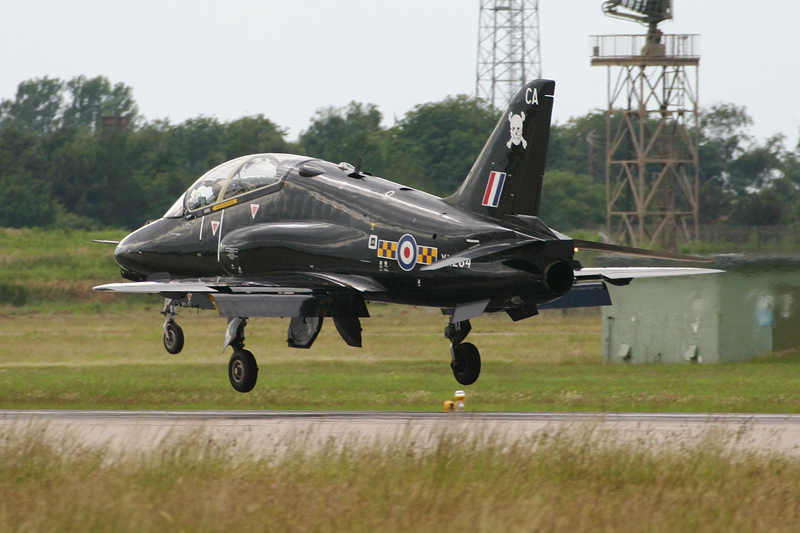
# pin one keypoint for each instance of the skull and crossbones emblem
(516, 122)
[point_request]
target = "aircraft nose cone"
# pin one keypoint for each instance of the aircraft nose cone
(122, 255)
(128, 256)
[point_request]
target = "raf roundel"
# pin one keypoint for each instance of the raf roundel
(407, 252)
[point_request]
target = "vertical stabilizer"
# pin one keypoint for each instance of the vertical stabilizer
(506, 179)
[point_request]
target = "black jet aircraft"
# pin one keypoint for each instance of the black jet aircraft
(277, 235)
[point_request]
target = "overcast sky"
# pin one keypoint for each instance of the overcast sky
(286, 59)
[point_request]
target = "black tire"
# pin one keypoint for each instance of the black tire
(173, 338)
(303, 331)
(466, 363)
(243, 371)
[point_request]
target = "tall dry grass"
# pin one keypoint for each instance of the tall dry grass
(555, 481)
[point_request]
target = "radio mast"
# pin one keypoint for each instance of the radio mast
(508, 48)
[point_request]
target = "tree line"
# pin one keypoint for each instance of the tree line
(60, 167)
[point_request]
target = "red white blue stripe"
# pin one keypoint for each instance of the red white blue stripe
(494, 188)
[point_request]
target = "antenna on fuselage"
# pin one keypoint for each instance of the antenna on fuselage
(357, 169)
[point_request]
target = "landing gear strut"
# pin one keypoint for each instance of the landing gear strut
(173, 334)
(466, 363)
(242, 368)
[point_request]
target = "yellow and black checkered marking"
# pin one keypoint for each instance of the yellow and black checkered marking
(427, 255)
(387, 249)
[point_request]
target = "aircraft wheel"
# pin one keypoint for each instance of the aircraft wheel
(243, 371)
(466, 363)
(173, 338)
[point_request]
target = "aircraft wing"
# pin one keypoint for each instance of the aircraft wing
(289, 295)
(624, 275)
(158, 287)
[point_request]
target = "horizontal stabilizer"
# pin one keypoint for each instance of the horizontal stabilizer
(624, 275)
(589, 246)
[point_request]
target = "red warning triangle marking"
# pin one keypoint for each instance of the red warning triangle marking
(214, 226)
(254, 209)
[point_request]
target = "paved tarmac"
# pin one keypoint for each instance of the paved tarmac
(270, 432)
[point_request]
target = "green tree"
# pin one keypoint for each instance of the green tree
(446, 138)
(37, 105)
(160, 170)
(24, 193)
(724, 138)
(252, 135)
(580, 146)
(572, 201)
(759, 208)
(757, 167)
(199, 143)
(741, 180)
(72, 174)
(92, 99)
(347, 134)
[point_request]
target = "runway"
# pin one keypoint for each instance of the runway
(271, 432)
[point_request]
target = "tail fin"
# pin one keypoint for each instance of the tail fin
(506, 179)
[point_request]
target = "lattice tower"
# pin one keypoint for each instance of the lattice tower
(508, 48)
(652, 166)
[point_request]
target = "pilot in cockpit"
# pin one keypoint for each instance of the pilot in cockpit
(204, 195)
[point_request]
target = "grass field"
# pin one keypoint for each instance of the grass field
(551, 482)
(54, 269)
(115, 360)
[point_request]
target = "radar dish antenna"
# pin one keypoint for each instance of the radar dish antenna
(647, 12)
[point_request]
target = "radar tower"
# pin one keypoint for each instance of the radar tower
(652, 167)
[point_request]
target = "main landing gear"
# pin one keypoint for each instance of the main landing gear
(242, 368)
(466, 363)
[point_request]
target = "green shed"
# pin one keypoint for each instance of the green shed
(750, 309)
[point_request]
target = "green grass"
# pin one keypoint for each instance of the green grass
(551, 362)
(553, 481)
(35, 254)
(38, 267)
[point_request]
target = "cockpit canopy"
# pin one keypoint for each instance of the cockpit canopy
(235, 178)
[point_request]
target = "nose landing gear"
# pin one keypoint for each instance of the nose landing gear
(173, 334)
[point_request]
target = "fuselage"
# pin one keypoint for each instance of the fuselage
(315, 217)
